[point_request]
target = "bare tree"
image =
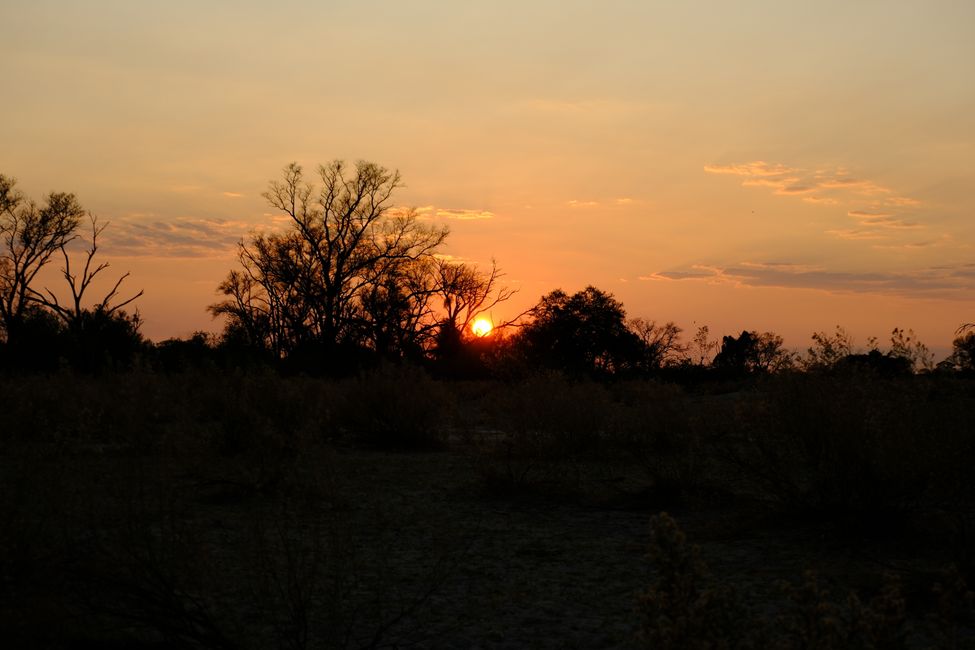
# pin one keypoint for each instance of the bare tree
(73, 314)
(346, 245)
(704, 347)
(468, 293)
(661, 342)
(29, 235)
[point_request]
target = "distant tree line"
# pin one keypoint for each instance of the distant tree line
(354, 281)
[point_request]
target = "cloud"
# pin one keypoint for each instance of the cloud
(181, 237)
(233, 195)
(943, 280)
(464, 215)
(623, 201)
(855, 233)
(882, 220)
(434, 212)
(820, 200)
(834, 186)
(581, 204)
(902, 201)
(787, 181)
(757, 168)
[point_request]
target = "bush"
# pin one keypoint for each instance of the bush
(395, 407)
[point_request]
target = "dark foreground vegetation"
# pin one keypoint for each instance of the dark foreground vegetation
(248, 509)
(346, 465)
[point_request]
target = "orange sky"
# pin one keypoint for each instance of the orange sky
(748, 165)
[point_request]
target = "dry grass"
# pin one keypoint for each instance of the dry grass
(249, 510)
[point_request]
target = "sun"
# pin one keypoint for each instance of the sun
(482, 326)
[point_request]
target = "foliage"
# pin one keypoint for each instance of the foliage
(584, 334)
(752, 352)
(828, 349)
(905, 345)
(963, 352)
(684, 607)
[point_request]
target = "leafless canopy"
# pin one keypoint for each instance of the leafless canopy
(78, 285)
(347, 257)
(29, 236)
(468, 292)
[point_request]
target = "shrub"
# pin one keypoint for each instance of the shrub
(395, 407)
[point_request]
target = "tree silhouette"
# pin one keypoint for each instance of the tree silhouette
(661, 343)
(29, 235)
(74, 314)
(41, 330)
(583, 334)
(466, 293)
(963, 352)
(341, 275)
(752, 352)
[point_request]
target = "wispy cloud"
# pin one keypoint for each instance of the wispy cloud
(820, 200)
(877, 215)
(752, 169)
(574, 203)
(232, 195)
(882, 220)
(787, 180)
(459, 214)
(182, 237)
(956, 280)
(854, 233)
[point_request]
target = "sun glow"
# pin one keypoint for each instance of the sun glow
(482, 327)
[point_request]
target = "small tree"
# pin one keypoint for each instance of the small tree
(828, 349)
(466, 292)
(963, 352)
(584, 333)
(904, 344)
(662, 346)
(704, 348)
(752, 352)
(29, 236)
(74, 314)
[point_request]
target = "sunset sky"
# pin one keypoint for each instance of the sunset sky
(768, 165)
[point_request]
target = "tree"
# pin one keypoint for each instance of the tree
(828, 349)
(341, 274)
(661, 343)
(963, 351)
(74, 314)
(703, 346)
(466, 293)
(29, 235)
(904, 344)
(584, 334)
(40, 329)
(752, 352)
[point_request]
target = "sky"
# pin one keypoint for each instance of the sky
(761, 165)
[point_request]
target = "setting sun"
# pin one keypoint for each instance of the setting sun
(482, 327)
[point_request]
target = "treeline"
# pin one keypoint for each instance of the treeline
(354, 282)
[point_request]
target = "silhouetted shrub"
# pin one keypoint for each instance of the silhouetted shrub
(684, 607)
(398, 407)
(851, 449)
